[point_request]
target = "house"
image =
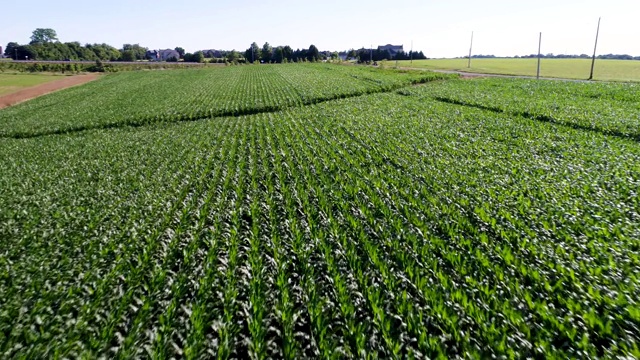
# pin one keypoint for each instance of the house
(162, 55)
(392, 49)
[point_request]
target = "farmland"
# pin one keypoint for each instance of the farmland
(135, 98)
(607, 70)
(320, 211)
(10, 83)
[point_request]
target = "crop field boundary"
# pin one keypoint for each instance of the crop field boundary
(144, 121)
(542, 118)
(32, 92)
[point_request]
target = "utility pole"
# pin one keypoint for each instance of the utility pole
(371, 54)
(411, 52)
(539, 46)
(470, 47)
(593, 60)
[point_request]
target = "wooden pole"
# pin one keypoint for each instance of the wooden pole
(411, 52)
(539, 47)
(593, 59)
(470, 47)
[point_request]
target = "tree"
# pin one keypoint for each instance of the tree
(266, 54)
(128, 55)
(352, 54)
(10, 51)
(104, 51)
(287, 53)
(27, 52)
(313, 54)
(299, 55)
(197, 57)
(252, 53)
(43, 36)
(232, 56)
(139, 51)
(363, 55)
(180, 51)
(278, 55)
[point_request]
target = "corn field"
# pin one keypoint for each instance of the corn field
(320, 211)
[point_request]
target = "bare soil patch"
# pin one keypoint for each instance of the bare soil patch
(39, 90)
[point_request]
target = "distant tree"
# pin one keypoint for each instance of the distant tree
(278, 55)
(43, 36)
(299, 55)
(266, 54)
(313, 54)
(27, 52)
(197, 57)
(352, 54)
(10, 50)
(233, 56)
(252, 53)
(180, 51)
(287, 53)
(128, 55)
(79, 52)
(379, 55)
(101, 51)
(139, 51)
(363, 55)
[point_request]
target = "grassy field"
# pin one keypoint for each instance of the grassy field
(10, 83)
(320, 211)
(615, 70)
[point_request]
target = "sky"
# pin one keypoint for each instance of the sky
(438, 28)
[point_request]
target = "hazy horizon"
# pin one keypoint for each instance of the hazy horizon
(501, 28)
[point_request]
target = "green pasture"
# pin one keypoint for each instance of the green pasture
(606, 70)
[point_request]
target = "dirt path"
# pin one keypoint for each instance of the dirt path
(39, 90)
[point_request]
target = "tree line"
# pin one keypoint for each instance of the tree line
(367, 55)
(583, 56)
(44, 45)
(556, 56)
(281, 54)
